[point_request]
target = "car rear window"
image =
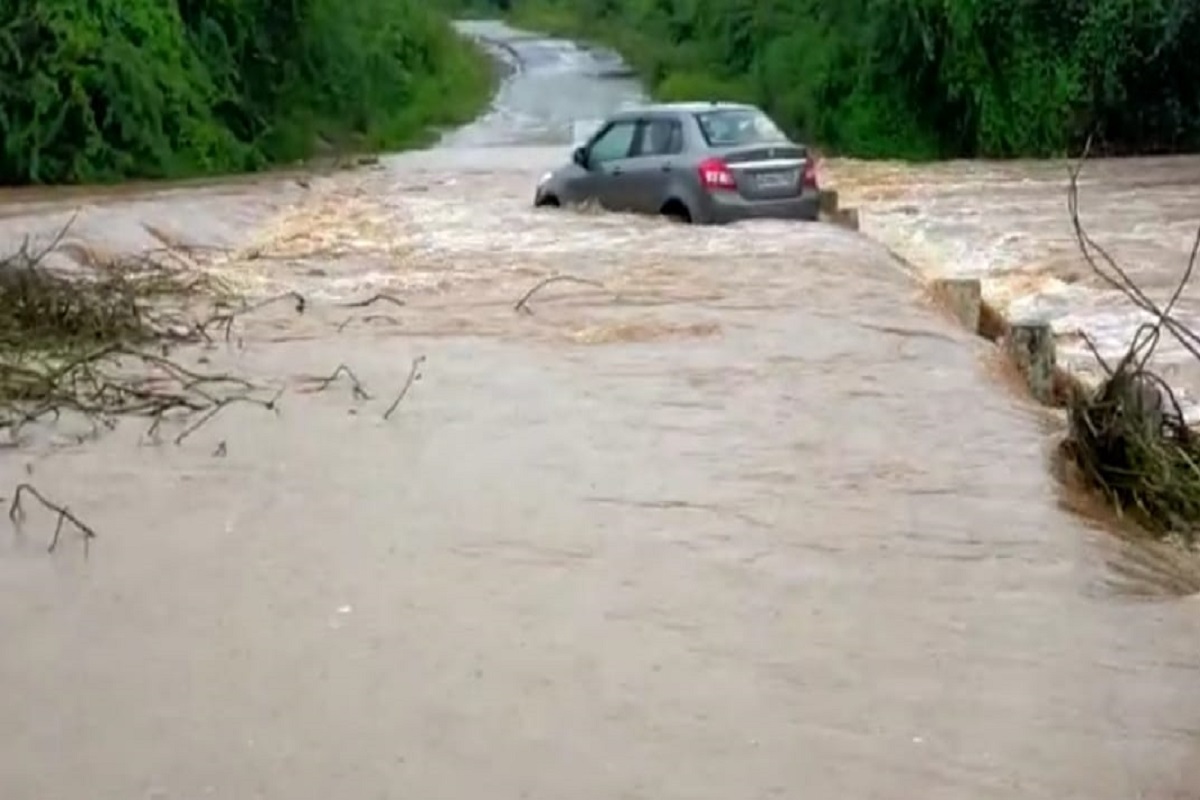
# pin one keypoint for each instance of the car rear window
(730, 127)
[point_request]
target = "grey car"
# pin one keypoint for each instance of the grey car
(692, 162)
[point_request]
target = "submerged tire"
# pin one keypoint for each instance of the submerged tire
(676, 211)
(547, 201)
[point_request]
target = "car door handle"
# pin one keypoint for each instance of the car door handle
(666, 168)
(615, 171)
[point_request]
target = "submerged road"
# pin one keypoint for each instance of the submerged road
(750, 521)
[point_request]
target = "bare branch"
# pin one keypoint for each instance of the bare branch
(523, 303)
(16, 513)
(225, 320)
(1130, 438)
(370, 301)
(357, 387)
(377, 298)
(414, 375)
(1106, 267)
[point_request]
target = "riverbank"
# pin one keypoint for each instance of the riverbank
(215, 96)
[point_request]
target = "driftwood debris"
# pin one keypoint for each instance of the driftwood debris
(99, 343)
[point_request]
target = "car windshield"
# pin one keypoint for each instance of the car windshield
(736, 126)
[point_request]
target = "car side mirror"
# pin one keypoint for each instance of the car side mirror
(579, 156)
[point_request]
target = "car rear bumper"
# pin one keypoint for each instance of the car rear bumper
(721, 209)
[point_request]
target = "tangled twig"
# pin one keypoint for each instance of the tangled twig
(1107, 268)
(103, 385)
(16, 513)
(414, 375)
(220, 405)
(356, 386)
(373, 299)
(97, 344)
(370, 301)
(523, 303)
(1130, 437)
(225, 320)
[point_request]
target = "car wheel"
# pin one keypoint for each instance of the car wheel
(546, 201)
(676, 211)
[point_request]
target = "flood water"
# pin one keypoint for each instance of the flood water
(1009, 224)
(741, 517)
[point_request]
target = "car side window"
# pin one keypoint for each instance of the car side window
(614, 143)
(675, 139)
(659, 137)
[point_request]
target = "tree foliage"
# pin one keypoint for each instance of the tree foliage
(107, 89)
(921, 78)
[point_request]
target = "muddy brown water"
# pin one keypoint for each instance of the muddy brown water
(746, 520)
(1008, 224)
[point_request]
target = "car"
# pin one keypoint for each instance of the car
(703, 163)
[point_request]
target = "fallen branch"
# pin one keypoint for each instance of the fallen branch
(225, 320)
(370, 301)
(523, 303)
(356, 386)
(1129, 437)
(96, 343)
(1106, 267)
(221, 405)
(113, 382)
(414, 375)
(16, 513)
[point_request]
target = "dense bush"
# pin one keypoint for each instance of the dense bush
(107, 89)
(920, 78)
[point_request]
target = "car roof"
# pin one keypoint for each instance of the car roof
(679, 108)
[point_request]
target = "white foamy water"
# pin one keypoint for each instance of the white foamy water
(1008, 224)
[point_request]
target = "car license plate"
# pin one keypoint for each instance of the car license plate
(777, 180)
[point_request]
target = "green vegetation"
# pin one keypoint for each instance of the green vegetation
(110, 89)
(919, 78)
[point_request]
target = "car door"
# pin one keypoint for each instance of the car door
(653, 159)
(606, 156)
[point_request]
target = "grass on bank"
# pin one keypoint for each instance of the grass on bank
(384, 112)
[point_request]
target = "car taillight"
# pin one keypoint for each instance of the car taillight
(809, 178)
(716, 177)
